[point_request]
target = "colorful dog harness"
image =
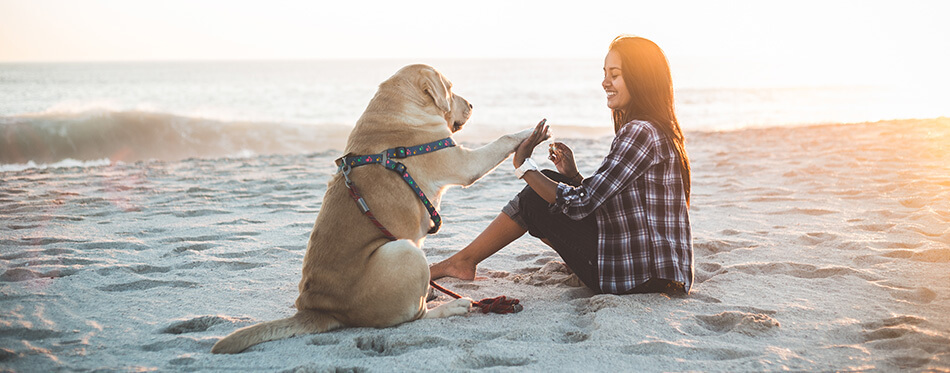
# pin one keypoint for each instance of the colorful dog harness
(386, 158)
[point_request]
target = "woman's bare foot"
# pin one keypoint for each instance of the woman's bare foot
(452, 268)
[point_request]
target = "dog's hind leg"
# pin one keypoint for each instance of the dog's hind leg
(304, 322)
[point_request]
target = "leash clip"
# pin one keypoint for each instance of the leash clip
(345, 169)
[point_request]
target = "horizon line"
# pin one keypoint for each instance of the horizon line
(289, 59)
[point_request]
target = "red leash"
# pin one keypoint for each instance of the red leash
(499, 304)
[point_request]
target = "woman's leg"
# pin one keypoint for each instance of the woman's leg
(501, 232)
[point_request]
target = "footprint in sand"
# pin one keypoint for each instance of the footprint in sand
(705, 271)
(23, 274)
(748, 323)
(711, 247)
(182, 343)
(852, 245)
(929, 256)
(229, 265)
(182, 360)
(490, 361)
(318, 368)
(145, 285)
(875, 227)
(383, 345)
(200, 324)
(683, 350)
(578, 329)
(140, 269)
(815, 238)
(919, 295)
(907, 339)
(575, 336)
(598, 302)
(198, 247)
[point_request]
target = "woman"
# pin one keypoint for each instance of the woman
(624, 229)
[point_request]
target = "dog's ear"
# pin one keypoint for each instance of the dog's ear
(433, 85)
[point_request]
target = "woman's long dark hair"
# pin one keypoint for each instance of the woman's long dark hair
(646, 73)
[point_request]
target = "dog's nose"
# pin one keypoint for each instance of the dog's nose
(470, 106)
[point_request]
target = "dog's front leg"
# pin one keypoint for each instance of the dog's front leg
(475, 163)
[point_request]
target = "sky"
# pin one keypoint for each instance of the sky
(837, 40)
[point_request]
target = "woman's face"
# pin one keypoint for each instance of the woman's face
(617, 95)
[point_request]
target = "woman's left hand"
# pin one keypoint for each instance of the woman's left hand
(527, 146)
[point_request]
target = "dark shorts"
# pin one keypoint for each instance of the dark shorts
(574, 240)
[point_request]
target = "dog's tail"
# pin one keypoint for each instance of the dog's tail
(304, 322)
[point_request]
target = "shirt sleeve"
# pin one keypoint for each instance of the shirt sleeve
(632, 152)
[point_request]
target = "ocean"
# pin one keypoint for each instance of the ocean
(75, 114)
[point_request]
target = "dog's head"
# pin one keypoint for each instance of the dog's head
(435, 93)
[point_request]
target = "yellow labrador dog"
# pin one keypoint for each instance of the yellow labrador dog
(352, 274)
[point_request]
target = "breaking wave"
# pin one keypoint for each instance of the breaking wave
(129, 136)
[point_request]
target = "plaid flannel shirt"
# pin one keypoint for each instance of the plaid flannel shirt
(637, 197)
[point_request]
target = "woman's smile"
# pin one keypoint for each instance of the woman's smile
(614, 86)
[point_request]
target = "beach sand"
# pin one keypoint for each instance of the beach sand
(816, 248)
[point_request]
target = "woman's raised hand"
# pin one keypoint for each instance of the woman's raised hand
(563, 158)
(527, 146)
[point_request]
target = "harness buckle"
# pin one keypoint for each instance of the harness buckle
(399, 152)
(399, 168)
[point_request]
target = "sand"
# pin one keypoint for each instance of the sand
(816, 248)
